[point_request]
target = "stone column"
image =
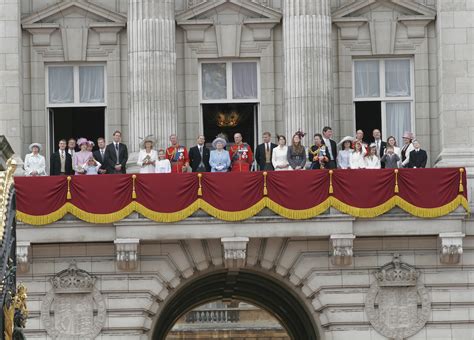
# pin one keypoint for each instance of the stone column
(307, 66)
(152, 71)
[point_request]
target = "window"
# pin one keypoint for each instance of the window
(229, 82)
(387, 84)
(76, 85)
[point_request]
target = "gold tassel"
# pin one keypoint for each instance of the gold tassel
(396, 181)
(68, 196)
(265, 191)
(461, 186)
(331, 189)
(200, 185)
(134, 193)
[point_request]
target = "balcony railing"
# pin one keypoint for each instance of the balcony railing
(213, 316)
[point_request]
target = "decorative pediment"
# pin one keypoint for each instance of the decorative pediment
(381, 24)
(74, 33)
(228, 17)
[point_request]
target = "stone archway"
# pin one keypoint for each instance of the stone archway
(252, 286)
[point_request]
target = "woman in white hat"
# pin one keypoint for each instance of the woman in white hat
(35, 164)
(219, 159)
(147, 157)
(81, 157)
(344, 156)
(372, 161)
(407, 148)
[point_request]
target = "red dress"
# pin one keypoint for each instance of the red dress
(241, 157)
(178, 157)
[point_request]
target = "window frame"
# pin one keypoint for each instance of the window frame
(229, 82)
(76, 102)
(382, 91)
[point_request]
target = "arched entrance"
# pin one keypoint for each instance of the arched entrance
(254, 287)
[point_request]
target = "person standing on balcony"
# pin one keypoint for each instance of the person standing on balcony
(116, 155)
(280, 155)
(390, 158)
(219, 158)
(199, 156)
(380, 145)
(296, 152)
(357, 157)
(359, 138)
(318, 153)
(71, 146)
(163, 165)
(372, 161)
(81, 157)
(344, 156)
(407, 148)
(61, 161)
(331, 148)
(263, 153)
(147, 157)
(35, 164)
(177, 155)
(100, 154)
(418, 157)
(240, 154)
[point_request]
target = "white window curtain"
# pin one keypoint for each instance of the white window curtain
(91, 84)
(366, 74)
(61, 84)
(397, 78)
(398, 119)
(214, 81)
(244, 80)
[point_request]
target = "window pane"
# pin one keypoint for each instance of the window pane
(214, 84)
(61, 84)
(367, 78)
(398, 119)
(244, 80)
(91, 84)
(397, 78)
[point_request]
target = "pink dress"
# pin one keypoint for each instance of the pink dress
(79, 159)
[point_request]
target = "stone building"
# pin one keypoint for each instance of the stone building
(187, 66)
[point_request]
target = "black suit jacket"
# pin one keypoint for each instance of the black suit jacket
(195, 158)
(260, 155)
(98, 157)
(110, 158)
(333, 160)
(55, 164)
(418, 159)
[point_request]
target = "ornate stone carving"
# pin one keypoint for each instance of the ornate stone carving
(451, 247)
(342, 249)
(235, 251)
(74, 308)
(397, 304)
(22, 258)
(127, 253)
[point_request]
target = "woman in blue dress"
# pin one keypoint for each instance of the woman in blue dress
(219, 159)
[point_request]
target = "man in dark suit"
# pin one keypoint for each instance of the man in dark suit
(99, 155)
(61, 161)
(199, 156)
(331, 147)
(379, 144)
(264, 151)
(418, 157)
(116, 155)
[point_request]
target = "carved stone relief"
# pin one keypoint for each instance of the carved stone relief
(397, 304)
(73, 308)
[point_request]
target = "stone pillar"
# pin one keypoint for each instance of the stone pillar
(454, 31)
(307, 66)
(152, 71)
(11, 96)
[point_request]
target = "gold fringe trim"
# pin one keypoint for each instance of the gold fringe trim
(233, 216)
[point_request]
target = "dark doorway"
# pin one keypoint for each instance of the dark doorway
(254, 288)
(368, 118)
(87, 122)
(229, 119)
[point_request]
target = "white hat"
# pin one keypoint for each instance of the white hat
(149, 138)
(372, 145)
(218, 140)
(345, 139)
(38, 145)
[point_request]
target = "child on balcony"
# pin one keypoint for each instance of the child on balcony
(91, 167)
(163, 164)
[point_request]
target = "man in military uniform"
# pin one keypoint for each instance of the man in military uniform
(241, 155)
(177, 155)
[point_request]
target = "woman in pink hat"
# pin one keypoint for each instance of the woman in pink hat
(407, 148)
(80, 158)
